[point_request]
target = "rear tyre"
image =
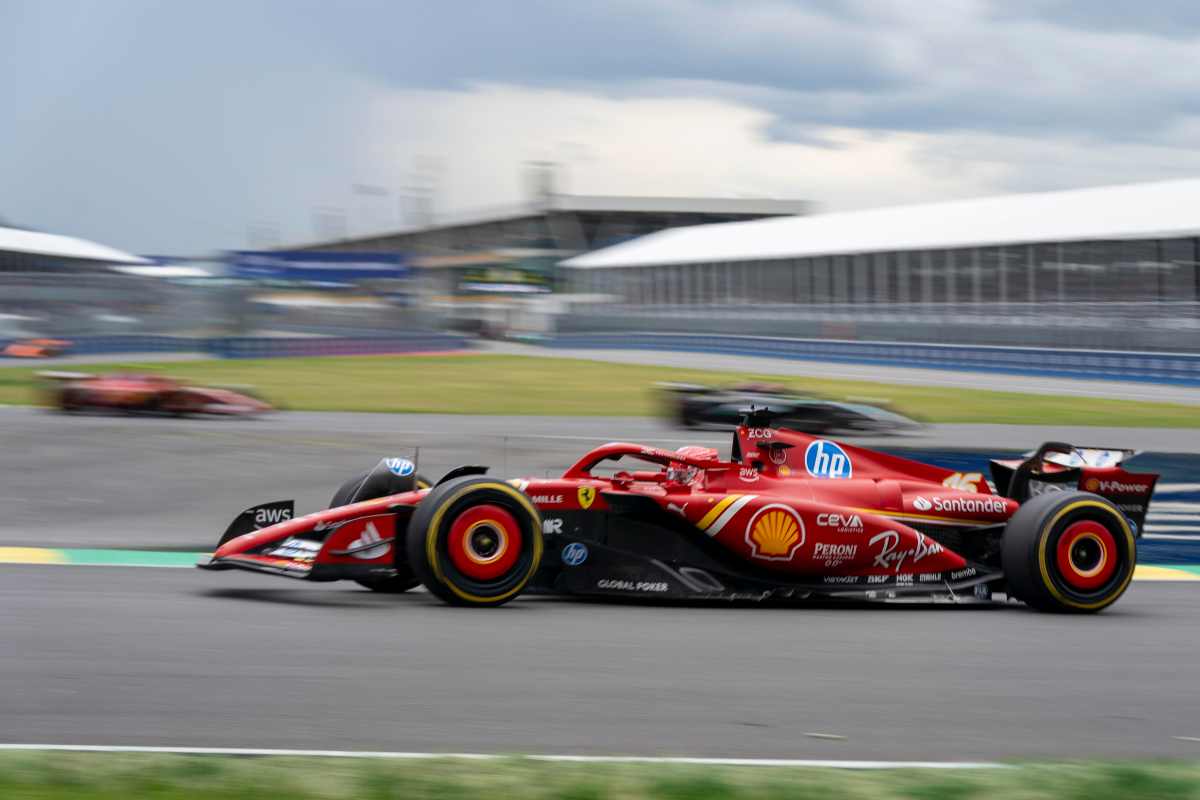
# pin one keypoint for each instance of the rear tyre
(475, 541)
(1070, 552)
(369, 485)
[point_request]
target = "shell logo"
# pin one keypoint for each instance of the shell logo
(1091, 485)
(775, 533)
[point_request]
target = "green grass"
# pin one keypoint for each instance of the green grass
(497, 384)
(93, 776)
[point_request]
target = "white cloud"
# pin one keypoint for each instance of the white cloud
(132, 134)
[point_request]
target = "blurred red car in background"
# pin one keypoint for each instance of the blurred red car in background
(147, 393)
(36, 348)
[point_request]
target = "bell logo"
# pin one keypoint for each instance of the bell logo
(587, 496)
(826, 459)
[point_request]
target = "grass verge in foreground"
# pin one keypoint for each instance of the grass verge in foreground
(91, 776)
(527, 385)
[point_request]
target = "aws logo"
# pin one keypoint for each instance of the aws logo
(270, 516)
(826, 459)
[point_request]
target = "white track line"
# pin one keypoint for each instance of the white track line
(1176, 488)
(723, 762)
(1173, 507)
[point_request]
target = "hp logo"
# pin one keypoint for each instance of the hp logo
(400, 467)
(825, 459)
(574, 554)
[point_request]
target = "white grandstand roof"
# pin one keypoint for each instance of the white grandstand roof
(680, 205)
(1139, 211)
(19, 240)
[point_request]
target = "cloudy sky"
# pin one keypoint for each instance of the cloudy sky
(186, 127)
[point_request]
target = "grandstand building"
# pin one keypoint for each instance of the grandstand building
(1104, 267)
(532, 239)
(58, 285)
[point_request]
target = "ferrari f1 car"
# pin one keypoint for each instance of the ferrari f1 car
(787, 516)
(147, 393)
(694, 405)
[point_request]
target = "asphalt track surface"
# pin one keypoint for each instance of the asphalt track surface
(109, 655)
(177, 657)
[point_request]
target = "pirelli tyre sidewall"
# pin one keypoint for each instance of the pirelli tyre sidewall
(1071, 552)
(440, 547)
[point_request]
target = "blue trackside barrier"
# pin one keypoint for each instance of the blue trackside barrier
(267, 347)
(279, 347)
(131, 343)
(1148, 367)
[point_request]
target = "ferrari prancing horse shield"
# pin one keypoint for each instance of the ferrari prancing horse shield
(586, 495)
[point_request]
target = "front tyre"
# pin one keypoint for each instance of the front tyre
(369, 485)
(475, 541)
(1070, 552)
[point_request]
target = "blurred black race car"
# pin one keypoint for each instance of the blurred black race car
(694, 405)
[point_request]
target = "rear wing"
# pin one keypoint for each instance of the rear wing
(1057, 466)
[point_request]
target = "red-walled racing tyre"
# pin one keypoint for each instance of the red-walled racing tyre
(475, 541)
(1068, 552)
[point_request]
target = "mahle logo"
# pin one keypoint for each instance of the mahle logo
(826, 459)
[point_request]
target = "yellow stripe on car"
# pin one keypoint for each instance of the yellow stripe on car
(715, 511)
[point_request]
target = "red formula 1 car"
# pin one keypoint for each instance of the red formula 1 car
(148, 393)
(788, 516)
